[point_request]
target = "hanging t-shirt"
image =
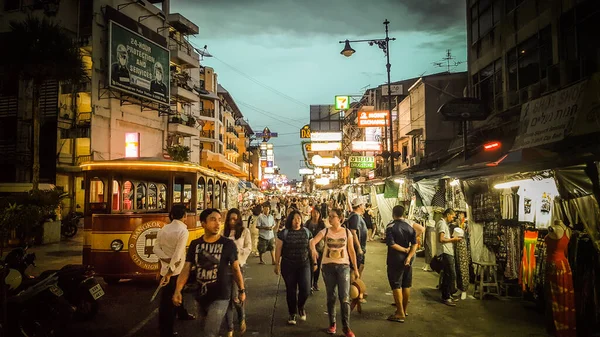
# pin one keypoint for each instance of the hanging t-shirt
(213, 262)
(543, 215)
(336, 246)
(527, 206)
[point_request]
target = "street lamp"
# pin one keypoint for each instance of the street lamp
(384, 45)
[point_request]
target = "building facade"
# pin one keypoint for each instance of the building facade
(104, 118)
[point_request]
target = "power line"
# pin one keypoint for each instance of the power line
(268, 114)
(290, 98)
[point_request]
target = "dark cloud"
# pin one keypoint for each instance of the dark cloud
(232, 18)
(452, 39)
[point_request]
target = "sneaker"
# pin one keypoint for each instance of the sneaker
(302, 314)
(292, 320)
(449, 303)
(316, 287)
(348, 332)
(243, 327)
(454, 299)
(332, 329)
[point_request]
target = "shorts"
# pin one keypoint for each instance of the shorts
(265, 245)
(400, 278)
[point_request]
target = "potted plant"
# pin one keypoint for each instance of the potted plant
(179, 152)
(191, 121)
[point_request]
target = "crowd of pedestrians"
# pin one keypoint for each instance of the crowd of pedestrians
(306, 239)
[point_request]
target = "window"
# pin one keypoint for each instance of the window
(529, 61)
(484, 16)
(578, 39)
(488, 85)
(512, 4)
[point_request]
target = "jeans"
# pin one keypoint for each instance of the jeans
(337, 275)
(212, 314)
(297, 284)
(315, 274)
(448, 286)
(167, 310)
(239, 307)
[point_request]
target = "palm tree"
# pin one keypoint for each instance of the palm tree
(40, 51)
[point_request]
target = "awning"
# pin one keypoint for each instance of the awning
(206, 94)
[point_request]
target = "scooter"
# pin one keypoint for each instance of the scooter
(40, 310)
(80, 287)
(70, 223)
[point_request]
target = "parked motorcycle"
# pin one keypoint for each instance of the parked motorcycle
(70, 223)
(40, 310)
(77, 281)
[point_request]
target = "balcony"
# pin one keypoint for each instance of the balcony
(182, 24)
(182, 87)
(232, 130)
(207, 113)
(185, 128)
(207, 134)
(183, 54)
(232, 148)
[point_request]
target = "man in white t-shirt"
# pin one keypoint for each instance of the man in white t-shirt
(445, 249)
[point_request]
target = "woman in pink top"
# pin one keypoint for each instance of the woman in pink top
(337, 255)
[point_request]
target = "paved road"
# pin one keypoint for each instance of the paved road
(126, 310)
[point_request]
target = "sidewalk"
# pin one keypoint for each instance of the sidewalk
(57, 255)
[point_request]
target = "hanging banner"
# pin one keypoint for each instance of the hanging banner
(550, 118)
(137, 65)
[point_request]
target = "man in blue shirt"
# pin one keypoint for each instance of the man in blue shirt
(401, 240)
(266, 237)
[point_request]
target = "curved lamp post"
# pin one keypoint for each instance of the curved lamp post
(383, 44)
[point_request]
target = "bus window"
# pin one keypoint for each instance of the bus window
(162, 196)
(140, 196)
(96, 190)
(187, 196)
(152, 196)
(127, 196)
(209, 194)
(201, 188)
(217, 201)
(224, 197)
(116, 196)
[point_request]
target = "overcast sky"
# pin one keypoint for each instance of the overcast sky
(277, 57)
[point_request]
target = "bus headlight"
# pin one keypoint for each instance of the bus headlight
(116, 245)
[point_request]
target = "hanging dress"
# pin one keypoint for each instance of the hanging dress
(463, 260)
(560, 281)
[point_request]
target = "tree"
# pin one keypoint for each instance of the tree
(40, 51)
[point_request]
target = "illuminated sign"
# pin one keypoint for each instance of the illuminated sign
(322, 181)
(318, 170)
(332, 146)
(132, 145)
(491, 146)
(362, 162)
(317, 160)
(366, 146)
(268, 176)
(372, 118)
(342, 102)
(269, 170)
(305, 171)
(326, 136)
(305, 132)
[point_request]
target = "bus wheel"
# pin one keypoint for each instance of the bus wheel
(111, 280)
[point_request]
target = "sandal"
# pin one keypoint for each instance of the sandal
(394, 318)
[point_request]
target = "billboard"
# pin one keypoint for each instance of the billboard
(326, 136)
(358, 145)
(362, 162)
(137, 66)
(330, 146)
(372, 118)
(305, 132)
(396, 89)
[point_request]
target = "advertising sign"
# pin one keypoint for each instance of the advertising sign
(342, 102)
(269, 170)
(326, 136)
(550, 118)
(137, 65)
(464, 109)
(372, 118)
(396, 89)
(331, 146)
(358, 145)
(132, 145)
(305, 132)
(305, 171)
(362, 162)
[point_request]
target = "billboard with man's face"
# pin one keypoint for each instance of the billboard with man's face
(138, 66)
